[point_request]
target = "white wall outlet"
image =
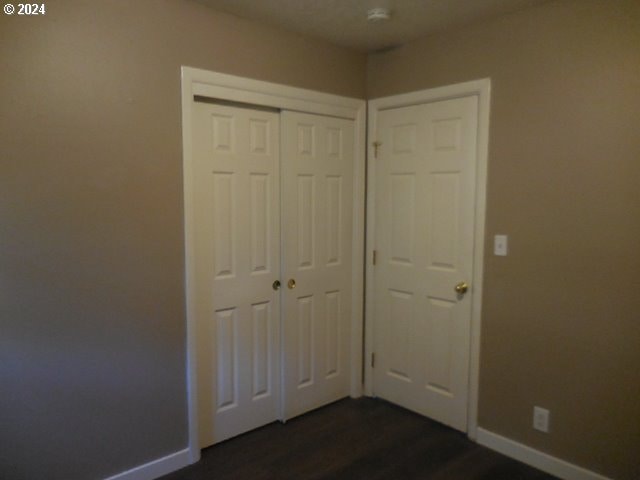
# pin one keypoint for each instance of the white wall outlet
(500, 245)
(541, 419)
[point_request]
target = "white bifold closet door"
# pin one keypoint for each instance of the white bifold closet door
(237, 249)
(258, 362)
(317, 192)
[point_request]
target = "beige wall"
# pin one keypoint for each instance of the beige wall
(91, 251)
(92, 327)
(561, 313)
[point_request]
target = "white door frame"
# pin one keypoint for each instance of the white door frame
(481, 89)
(238, 89)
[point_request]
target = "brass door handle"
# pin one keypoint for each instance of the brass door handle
(291, 284)
(276, 285)
(461, 288)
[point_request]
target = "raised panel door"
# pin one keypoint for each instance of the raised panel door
(425, 187)
(237, 229)
(317, 166)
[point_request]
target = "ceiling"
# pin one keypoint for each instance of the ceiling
(344, 22)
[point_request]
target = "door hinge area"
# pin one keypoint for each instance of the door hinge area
(375, 148)
(375, 256)
(373, 360)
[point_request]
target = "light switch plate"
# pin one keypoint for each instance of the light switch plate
(541, 419)
(500, 245)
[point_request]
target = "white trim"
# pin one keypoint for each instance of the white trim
(481, 89)
(156, 468)
(255, 92)
(370, 247)
(189, 261)
(357, 251)
(535, 458)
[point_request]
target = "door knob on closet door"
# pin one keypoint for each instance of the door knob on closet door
(291, 284)
(462, 288)
(276, 285)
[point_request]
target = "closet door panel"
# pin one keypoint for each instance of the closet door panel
(317, 166)
(236, 180)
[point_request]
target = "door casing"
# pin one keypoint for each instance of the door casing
(197, 82)
(481, 89)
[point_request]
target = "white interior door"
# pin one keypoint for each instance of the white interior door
(317, 193)
(425, 190)
(237, 246)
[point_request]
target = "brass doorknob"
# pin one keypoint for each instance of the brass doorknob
(276, 285)
(462, 288)
(291, 284)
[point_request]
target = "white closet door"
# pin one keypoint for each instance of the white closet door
(425, 190)
(237, 206)
(317, 193)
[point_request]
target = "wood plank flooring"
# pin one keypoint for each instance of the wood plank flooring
(352, 440)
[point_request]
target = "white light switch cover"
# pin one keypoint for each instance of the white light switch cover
(500, 245)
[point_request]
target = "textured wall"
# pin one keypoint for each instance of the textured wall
(561, 313)
(92, 326)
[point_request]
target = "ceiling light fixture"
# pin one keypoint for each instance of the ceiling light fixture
(376, 15)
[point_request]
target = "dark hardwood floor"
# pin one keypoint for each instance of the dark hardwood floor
(355, 439)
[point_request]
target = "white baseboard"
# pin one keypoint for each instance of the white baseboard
(156, 468)
(535, 458)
